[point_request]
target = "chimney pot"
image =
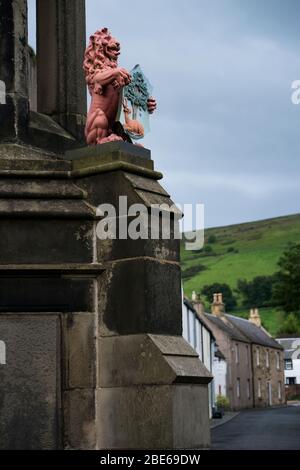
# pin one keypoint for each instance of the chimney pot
(218, 307)
(254, 317)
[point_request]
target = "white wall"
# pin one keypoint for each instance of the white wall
(295, 372)
(293, 346)
(219, 370)
(201, 340)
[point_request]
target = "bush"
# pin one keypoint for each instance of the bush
(258, 292)
(290, 325)
(228, 298)
(222, 402)
(192, 271)
(232, 249)
(286, 291)
(212, 239)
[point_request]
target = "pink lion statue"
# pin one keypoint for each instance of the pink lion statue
(104, 80)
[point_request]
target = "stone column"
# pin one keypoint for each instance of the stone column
(151, 389)
(14, 110)
(61, 84)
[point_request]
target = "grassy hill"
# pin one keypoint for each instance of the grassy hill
(240, 251)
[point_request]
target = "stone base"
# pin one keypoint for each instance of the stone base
(160, 417)
(92, 330)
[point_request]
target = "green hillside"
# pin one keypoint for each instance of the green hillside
(240, 251)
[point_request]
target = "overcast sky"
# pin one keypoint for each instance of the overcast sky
(226, 132)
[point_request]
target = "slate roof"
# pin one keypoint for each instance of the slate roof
(219, 354)
(253, 333)
(291, 347)
(229, 328)
(202, 320)
(288, 353)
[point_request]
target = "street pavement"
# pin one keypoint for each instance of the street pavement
(260, 429)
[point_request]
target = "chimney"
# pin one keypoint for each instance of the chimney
(217, 307)
(197, 303)
(255, 317)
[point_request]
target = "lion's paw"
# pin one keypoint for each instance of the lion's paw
(110, 138)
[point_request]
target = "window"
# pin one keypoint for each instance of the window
(236, 353)
(290, 380)
(279, 391)
(220, 389)
(288, 364)
(238, 388)
(257, 357)
(2, 353)
(199, 339)
(278, 360)
(259, 388)
(185, 323)
(248, 389)
(267, 359)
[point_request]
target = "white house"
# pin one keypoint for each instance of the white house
(219, 371)
(291, 360)
(201, 339)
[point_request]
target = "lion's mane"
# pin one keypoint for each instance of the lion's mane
(95, 59)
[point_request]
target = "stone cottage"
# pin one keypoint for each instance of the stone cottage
(255, 363)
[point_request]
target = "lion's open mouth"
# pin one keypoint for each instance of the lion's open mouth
(113, 51)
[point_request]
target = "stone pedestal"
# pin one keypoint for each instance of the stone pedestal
(92, 328)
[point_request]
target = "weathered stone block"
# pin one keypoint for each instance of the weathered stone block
(80, 350)
(45, 294)
(46, 241)
(161, 417)
(155, 236)
(79, 419)
(191, 429)
(149, 360)
(137, 296)
(30, 382)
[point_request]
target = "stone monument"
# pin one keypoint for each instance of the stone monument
(92, 355)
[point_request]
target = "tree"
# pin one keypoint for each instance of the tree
(290, 325)
(286, 290)
(228, 298)
(212, 239)
(256, 293)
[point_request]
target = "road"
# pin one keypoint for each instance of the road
(261, 429)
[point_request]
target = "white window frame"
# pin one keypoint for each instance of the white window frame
(277, 360)
(267, 359)
(259, 388)
(236, 346)
(279, 390)
(248, 389)
(238, 387)
(257, 356)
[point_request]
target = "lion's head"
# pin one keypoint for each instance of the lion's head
(102, 52)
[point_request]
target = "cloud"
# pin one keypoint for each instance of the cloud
(226, 131)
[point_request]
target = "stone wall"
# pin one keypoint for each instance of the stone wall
(268, 377)
(235, 370)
